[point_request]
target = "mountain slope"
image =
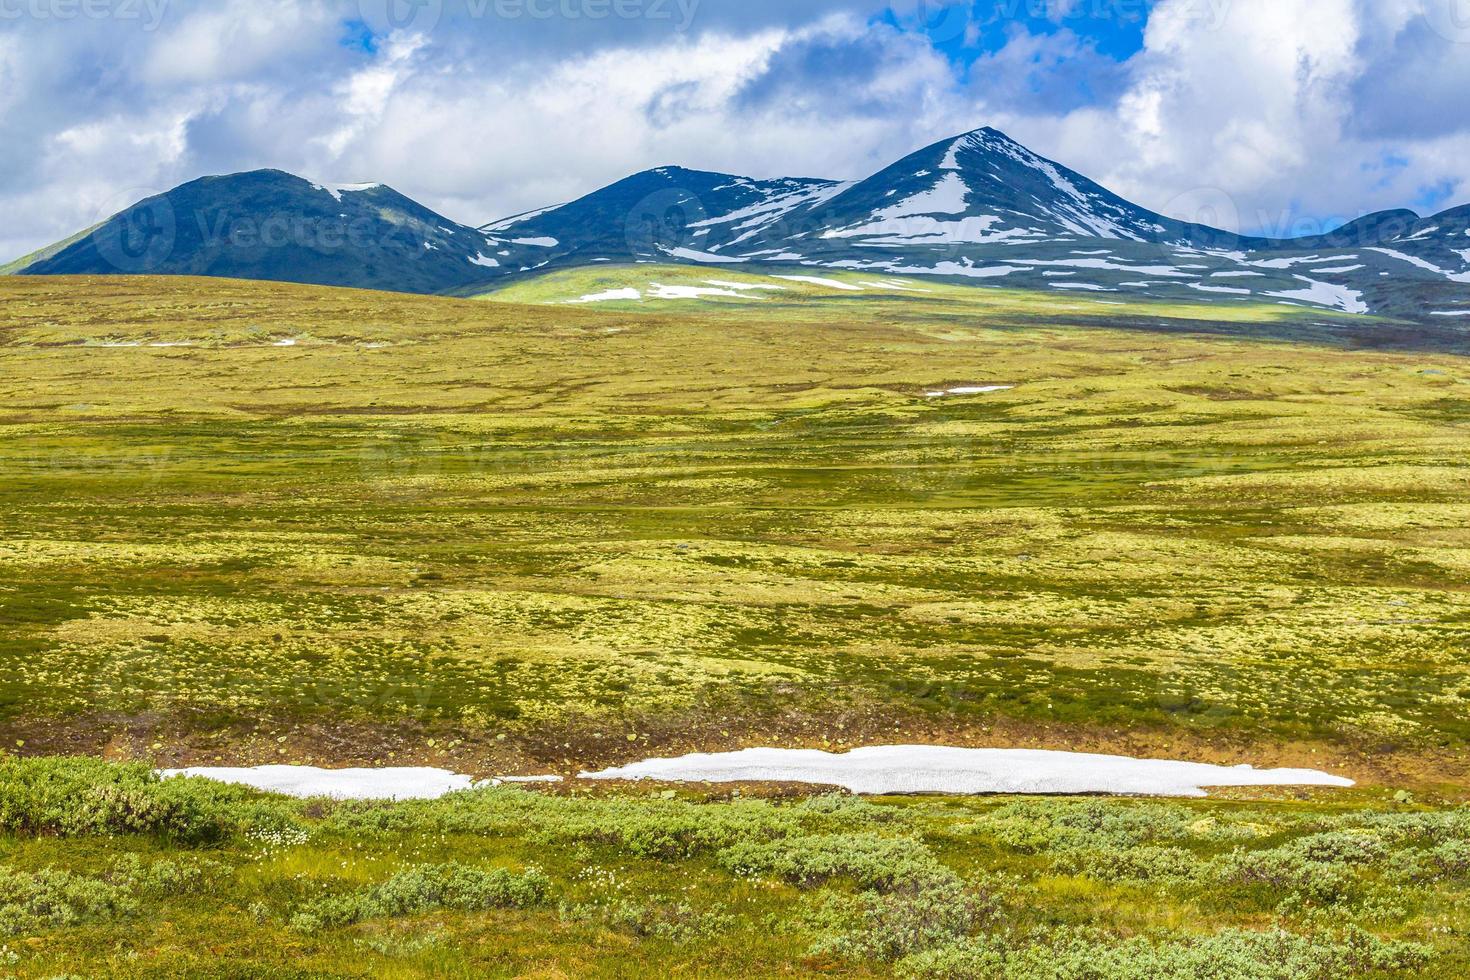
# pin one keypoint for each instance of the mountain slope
(975, 208)
(985, 188)
(271, 225)
(669, 211)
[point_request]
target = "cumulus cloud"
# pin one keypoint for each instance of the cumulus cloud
(1262, 115)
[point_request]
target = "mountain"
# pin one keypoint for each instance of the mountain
(664, 213)
(272, 225)
(977, 208)
(984, 188)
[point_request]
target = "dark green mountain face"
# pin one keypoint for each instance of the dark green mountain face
(979, 208)
(275, 226)
(665, 213)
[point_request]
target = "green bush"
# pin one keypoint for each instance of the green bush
(84, 797)
(1034, 826)
(1229, 955)
(50, 899)
(454, 887)
(888, 927)
(872, 862)
(1286, 871)
(660, 829)
(678, 923)
(1159, 864)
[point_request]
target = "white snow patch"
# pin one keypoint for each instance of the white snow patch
(660, 291)
(1106, 266)
(1337, 269)
(1326, 294)
(927, 230)
(1091, 287)
(819, 281)
(945, 197)
(285, 342)
(951, 159)
(898, 286)
(341, 784)
(972, 390)
(1299, 260)
(337, 190)
(516, 219)
(1451, 313)
(537, 242)
(903, 769)
(1422, 264)
(956, 269)
(609, 296)
(1219, 289)
(694, 255)
(484, 260)
(725, 284)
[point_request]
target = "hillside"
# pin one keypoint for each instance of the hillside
(979, 208)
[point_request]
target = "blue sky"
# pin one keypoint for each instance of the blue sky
(1266, 115)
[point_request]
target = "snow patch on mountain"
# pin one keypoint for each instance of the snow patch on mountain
(1425, 265)
(337, 190)
(819, 281)
(1326, 294)
(945, 197)
(610, 296)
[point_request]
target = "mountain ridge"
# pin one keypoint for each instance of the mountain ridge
(976, 207)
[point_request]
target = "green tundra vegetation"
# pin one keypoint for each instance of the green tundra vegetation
(245, 522)
(109, 872)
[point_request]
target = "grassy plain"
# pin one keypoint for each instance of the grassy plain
(351, 527)
(517, 536)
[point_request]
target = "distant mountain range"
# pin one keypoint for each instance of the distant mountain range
(977, 208)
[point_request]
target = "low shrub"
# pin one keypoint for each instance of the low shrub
(87, 797)
(871, 862)
(1157, 864)
(1229, 955)
(1286, 871)
(888, 927)
(428, 888)
(34, 901)
(677, 923)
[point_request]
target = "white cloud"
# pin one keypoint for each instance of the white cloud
(1250, 114)
(1246, 112)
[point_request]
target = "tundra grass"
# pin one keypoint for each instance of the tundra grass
(564, 529)
(107, 872)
